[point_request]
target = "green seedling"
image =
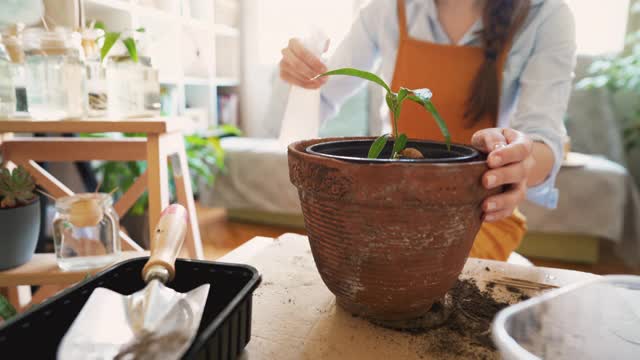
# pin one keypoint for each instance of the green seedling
(394, 102)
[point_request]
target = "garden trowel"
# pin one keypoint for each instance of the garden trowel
(153, 323)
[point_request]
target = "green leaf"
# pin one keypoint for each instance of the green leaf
(399, 144)
(423, 97)
(7, 311)
(110, 39)
(16, 187)
(141, 30)
(99, 25)
(227, 129)
(402, 95)
(358, 73)
(441, 124)
(130, 44)
(377, 147)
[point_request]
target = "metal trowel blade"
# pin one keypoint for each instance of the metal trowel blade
(153, 323)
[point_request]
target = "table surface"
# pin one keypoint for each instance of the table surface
(296, 317)
(43, 269)
(156, 125)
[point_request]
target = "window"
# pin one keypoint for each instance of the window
(600, 25)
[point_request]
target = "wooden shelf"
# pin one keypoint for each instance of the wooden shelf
(226, 30)
(227, 82)
(122, 5)
(195, 23)
(152, 125)
(193, 80)
(43, 270)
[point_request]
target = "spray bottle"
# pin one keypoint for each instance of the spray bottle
(302, 114)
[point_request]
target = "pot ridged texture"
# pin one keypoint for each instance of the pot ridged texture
(388, 239)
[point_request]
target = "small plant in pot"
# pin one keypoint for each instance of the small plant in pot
(19, 217)
(390, 220)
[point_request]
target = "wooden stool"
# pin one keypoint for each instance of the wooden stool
(164, 141)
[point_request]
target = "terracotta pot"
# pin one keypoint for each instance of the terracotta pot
(389, 238)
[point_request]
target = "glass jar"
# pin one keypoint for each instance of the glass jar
(96, 73)
(152, 100)
(7, 87)
(85, 231)
(125, 87)
(12, 41)
(56, 74)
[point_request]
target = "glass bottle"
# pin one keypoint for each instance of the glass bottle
(7, 87)
(56, 74)
(152, 102)
(96, 73)
(12, 40)
(125, 87)
(85, 231)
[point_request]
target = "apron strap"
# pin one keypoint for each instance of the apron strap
(402, 20)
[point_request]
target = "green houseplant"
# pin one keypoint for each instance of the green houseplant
(620, 73)
(110, 38)
(205, 157)
(19, 217)
(389, 233)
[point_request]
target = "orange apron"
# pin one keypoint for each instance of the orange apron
(449, 70)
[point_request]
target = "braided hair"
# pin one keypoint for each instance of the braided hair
(501, 19)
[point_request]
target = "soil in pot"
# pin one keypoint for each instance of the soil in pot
(389, 237)
(356, 150)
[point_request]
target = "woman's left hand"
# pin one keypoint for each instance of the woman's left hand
(510, 161)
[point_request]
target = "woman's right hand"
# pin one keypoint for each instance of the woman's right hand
(299, 66)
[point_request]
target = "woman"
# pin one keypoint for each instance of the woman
(500, 71)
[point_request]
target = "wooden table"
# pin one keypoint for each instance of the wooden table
(296, 317)
(163, 141)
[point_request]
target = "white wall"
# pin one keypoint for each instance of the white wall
(266, 28)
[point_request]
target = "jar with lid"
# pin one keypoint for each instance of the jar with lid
(85, 231)
(125, 87)
(152, 102)
(96, 73)
(56, 74)
(12, 41)
(7, 87)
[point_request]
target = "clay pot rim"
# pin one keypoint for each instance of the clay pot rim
(300, 148)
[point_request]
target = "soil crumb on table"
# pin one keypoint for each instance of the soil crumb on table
(467, 332)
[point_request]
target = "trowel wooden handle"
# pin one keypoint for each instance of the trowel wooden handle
(166, 244)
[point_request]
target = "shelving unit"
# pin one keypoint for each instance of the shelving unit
(194, 44)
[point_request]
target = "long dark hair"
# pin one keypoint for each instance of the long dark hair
(501, 20)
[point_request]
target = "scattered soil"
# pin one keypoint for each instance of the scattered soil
(521, 296)
(466, 334)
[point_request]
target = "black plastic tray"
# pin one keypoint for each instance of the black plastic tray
(224, 331)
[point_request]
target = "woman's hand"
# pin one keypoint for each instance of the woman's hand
(299, 66)
(511, 162)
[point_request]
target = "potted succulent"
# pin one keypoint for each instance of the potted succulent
(390, 220)
(19, 217)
